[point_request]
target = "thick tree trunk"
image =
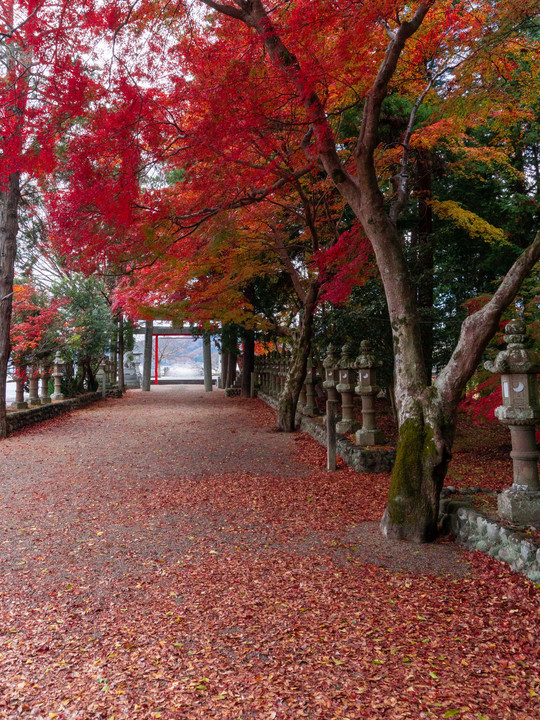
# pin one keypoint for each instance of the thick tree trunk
(248, 362)
(224, 367)
(423, 453)
(9, 203)
(288, 399)
(232, 347)
(88, 375)
(232, 362)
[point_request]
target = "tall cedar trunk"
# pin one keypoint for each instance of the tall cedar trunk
(88, 375)
(248, 362)
(232, 347)
(224, 367)
(9, 203)
(121, 353)
(424, 258)
(288, 399)
(231, 368)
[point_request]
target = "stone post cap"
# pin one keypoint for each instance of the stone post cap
(516, 358)
(367, 358)
(58, 358)
(331, 360)
(347, 356)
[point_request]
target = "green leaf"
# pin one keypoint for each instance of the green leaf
(433, 675)
(450, 713)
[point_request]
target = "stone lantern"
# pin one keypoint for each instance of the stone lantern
(367, 388)
(58, 373)
(345, 388)
(33, 383)
(310, 407)
(101, 375)
(520, 411)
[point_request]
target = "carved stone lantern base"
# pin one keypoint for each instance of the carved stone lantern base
(520, 506)
(365, 438)
(21, 405)
(346, 426)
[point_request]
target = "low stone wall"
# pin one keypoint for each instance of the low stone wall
(360, 459)
(476, 532)
(23, 418)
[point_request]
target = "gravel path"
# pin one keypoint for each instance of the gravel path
(170, 555)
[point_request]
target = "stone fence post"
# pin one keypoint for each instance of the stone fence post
(520, 411)
(330, 363)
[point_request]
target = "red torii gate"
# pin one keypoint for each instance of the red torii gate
(166, 332)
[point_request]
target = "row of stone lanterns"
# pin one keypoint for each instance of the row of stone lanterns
(341, 373)
(38, 384)
(272, 372)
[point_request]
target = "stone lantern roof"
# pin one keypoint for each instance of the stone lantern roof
(367, 358)
(516, 358)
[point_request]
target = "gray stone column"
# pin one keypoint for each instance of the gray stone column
(58, 373)
(33, 382)
(44, 388)
(147, 357)
(367, 388)
(520, 411)
(20, 379)
(207, 362)
(345, 388)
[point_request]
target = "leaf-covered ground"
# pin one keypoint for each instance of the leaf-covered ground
(169, 556)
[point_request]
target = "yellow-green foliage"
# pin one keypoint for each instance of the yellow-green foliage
(473, 224)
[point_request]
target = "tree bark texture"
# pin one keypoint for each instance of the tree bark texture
(9, 203)
(288, 399)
